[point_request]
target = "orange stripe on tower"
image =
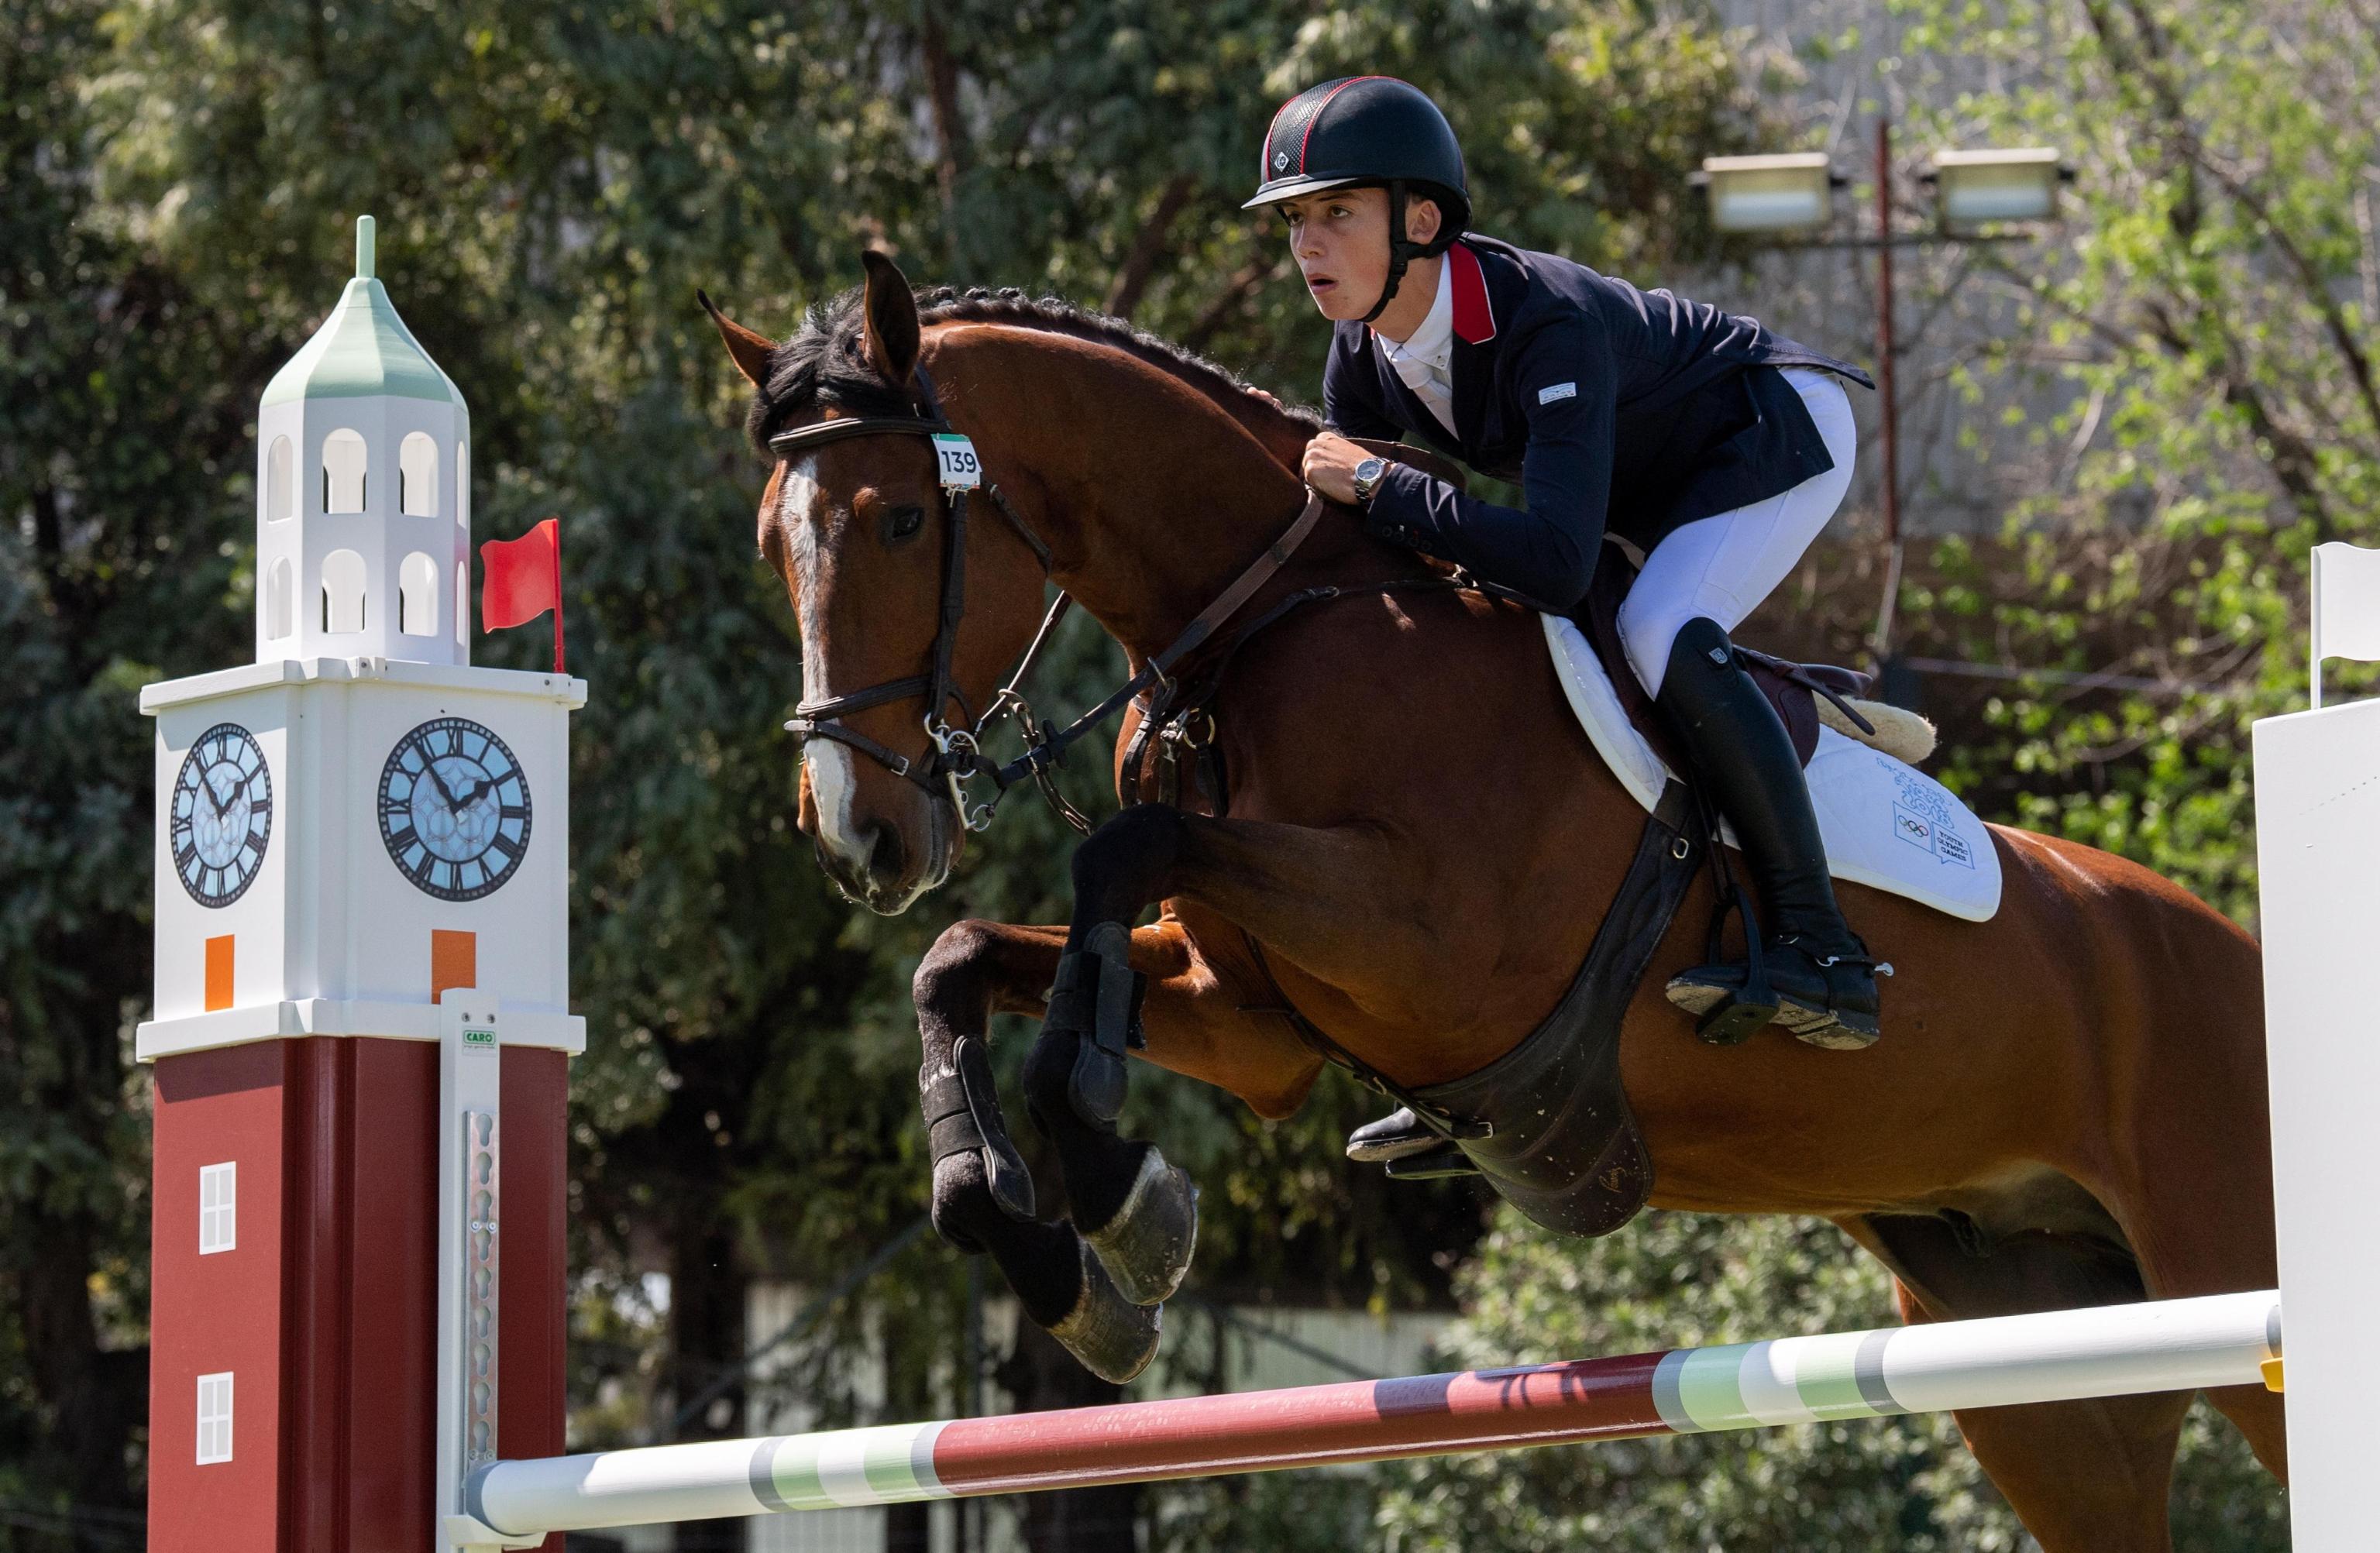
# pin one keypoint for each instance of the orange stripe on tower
(219, 973)
(454, 961)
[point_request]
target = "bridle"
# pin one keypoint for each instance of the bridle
(958, 754)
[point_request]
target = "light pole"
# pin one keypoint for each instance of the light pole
(1774, 195)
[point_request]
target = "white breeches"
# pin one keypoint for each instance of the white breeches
(1720, 568)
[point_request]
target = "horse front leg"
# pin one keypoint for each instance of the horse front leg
(1397, 950)
(1319, 894)
(1095, 1289)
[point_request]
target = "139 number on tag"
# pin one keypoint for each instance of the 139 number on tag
(961, 469)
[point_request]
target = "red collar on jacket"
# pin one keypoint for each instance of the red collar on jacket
(1474, 318)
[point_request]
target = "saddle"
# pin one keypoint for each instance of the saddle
(1794, 689)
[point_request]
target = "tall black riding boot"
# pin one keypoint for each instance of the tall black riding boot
(1822, 975)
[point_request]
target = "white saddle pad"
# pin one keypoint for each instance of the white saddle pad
(1885, 823)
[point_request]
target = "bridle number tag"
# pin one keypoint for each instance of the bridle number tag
(961, 469)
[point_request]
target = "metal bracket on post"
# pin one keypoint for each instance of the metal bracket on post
(470, 1074)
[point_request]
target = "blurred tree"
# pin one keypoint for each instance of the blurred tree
(120, 462)
(2205, 328)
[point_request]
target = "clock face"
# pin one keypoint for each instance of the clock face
(221, 818)
(454, 809)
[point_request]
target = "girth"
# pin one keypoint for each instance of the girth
(1547, 1123)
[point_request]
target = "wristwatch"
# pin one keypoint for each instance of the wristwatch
(1368, 475)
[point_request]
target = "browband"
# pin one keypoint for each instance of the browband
(855, 425)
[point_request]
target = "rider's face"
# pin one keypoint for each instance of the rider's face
(1340, 238)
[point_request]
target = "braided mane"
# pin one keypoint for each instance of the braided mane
(826, 363)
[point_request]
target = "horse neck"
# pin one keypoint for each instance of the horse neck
(1150, 495)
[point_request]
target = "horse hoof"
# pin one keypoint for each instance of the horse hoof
(1147, 1247)
(1107, 1334)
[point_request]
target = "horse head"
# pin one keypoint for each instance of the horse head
(905, 620)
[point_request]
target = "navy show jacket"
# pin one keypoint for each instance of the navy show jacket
(1613, 408)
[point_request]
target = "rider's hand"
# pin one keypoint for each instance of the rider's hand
(1330, 461)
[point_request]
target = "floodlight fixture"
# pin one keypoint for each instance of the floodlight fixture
(1776, 193)
(1973, 187)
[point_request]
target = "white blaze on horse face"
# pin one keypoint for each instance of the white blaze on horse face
(802, 502)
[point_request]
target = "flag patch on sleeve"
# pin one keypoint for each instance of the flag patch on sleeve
(1552, 392)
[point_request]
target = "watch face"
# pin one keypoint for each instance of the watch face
(220, 819)
(454, 809)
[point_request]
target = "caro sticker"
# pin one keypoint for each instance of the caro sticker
(1552, 392)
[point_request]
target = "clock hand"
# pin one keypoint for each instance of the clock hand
(223, 806)
(445, 791)
(477, 789)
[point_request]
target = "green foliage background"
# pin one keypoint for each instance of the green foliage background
(177, 182)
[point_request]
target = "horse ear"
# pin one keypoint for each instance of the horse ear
(891, 315)
(749, 350)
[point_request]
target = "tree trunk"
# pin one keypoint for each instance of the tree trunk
(96, 1398)
(1140, 264)
(707, 1288)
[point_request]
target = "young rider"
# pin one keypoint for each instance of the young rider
(1716, 448)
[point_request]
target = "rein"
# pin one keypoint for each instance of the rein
(958, 751)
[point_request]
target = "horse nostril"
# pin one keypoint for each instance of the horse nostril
(886, 854)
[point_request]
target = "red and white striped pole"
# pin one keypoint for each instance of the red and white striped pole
(2224, 1339)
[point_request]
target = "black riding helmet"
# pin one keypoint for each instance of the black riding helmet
(1369, 130)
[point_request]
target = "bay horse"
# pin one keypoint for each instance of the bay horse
(2069, 1105)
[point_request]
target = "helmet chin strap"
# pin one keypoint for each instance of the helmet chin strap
(1402, 249)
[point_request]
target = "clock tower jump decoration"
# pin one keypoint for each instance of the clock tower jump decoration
(362, 1021)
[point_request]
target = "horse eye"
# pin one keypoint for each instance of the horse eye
(906, 522)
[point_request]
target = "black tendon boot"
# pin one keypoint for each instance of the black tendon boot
(1822, 975)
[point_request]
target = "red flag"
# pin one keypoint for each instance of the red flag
(521, 579)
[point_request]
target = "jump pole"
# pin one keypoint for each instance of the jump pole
(2222, 1340)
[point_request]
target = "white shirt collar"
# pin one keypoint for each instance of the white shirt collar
(1433, 343)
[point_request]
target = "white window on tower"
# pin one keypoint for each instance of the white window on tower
(281, 600)
(280, 481)
(343, 472)
(218, 1208)
(463, 486)
(343, 592)
(463, 604)
(214, 1418)
(417, 595)
(417, 476)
